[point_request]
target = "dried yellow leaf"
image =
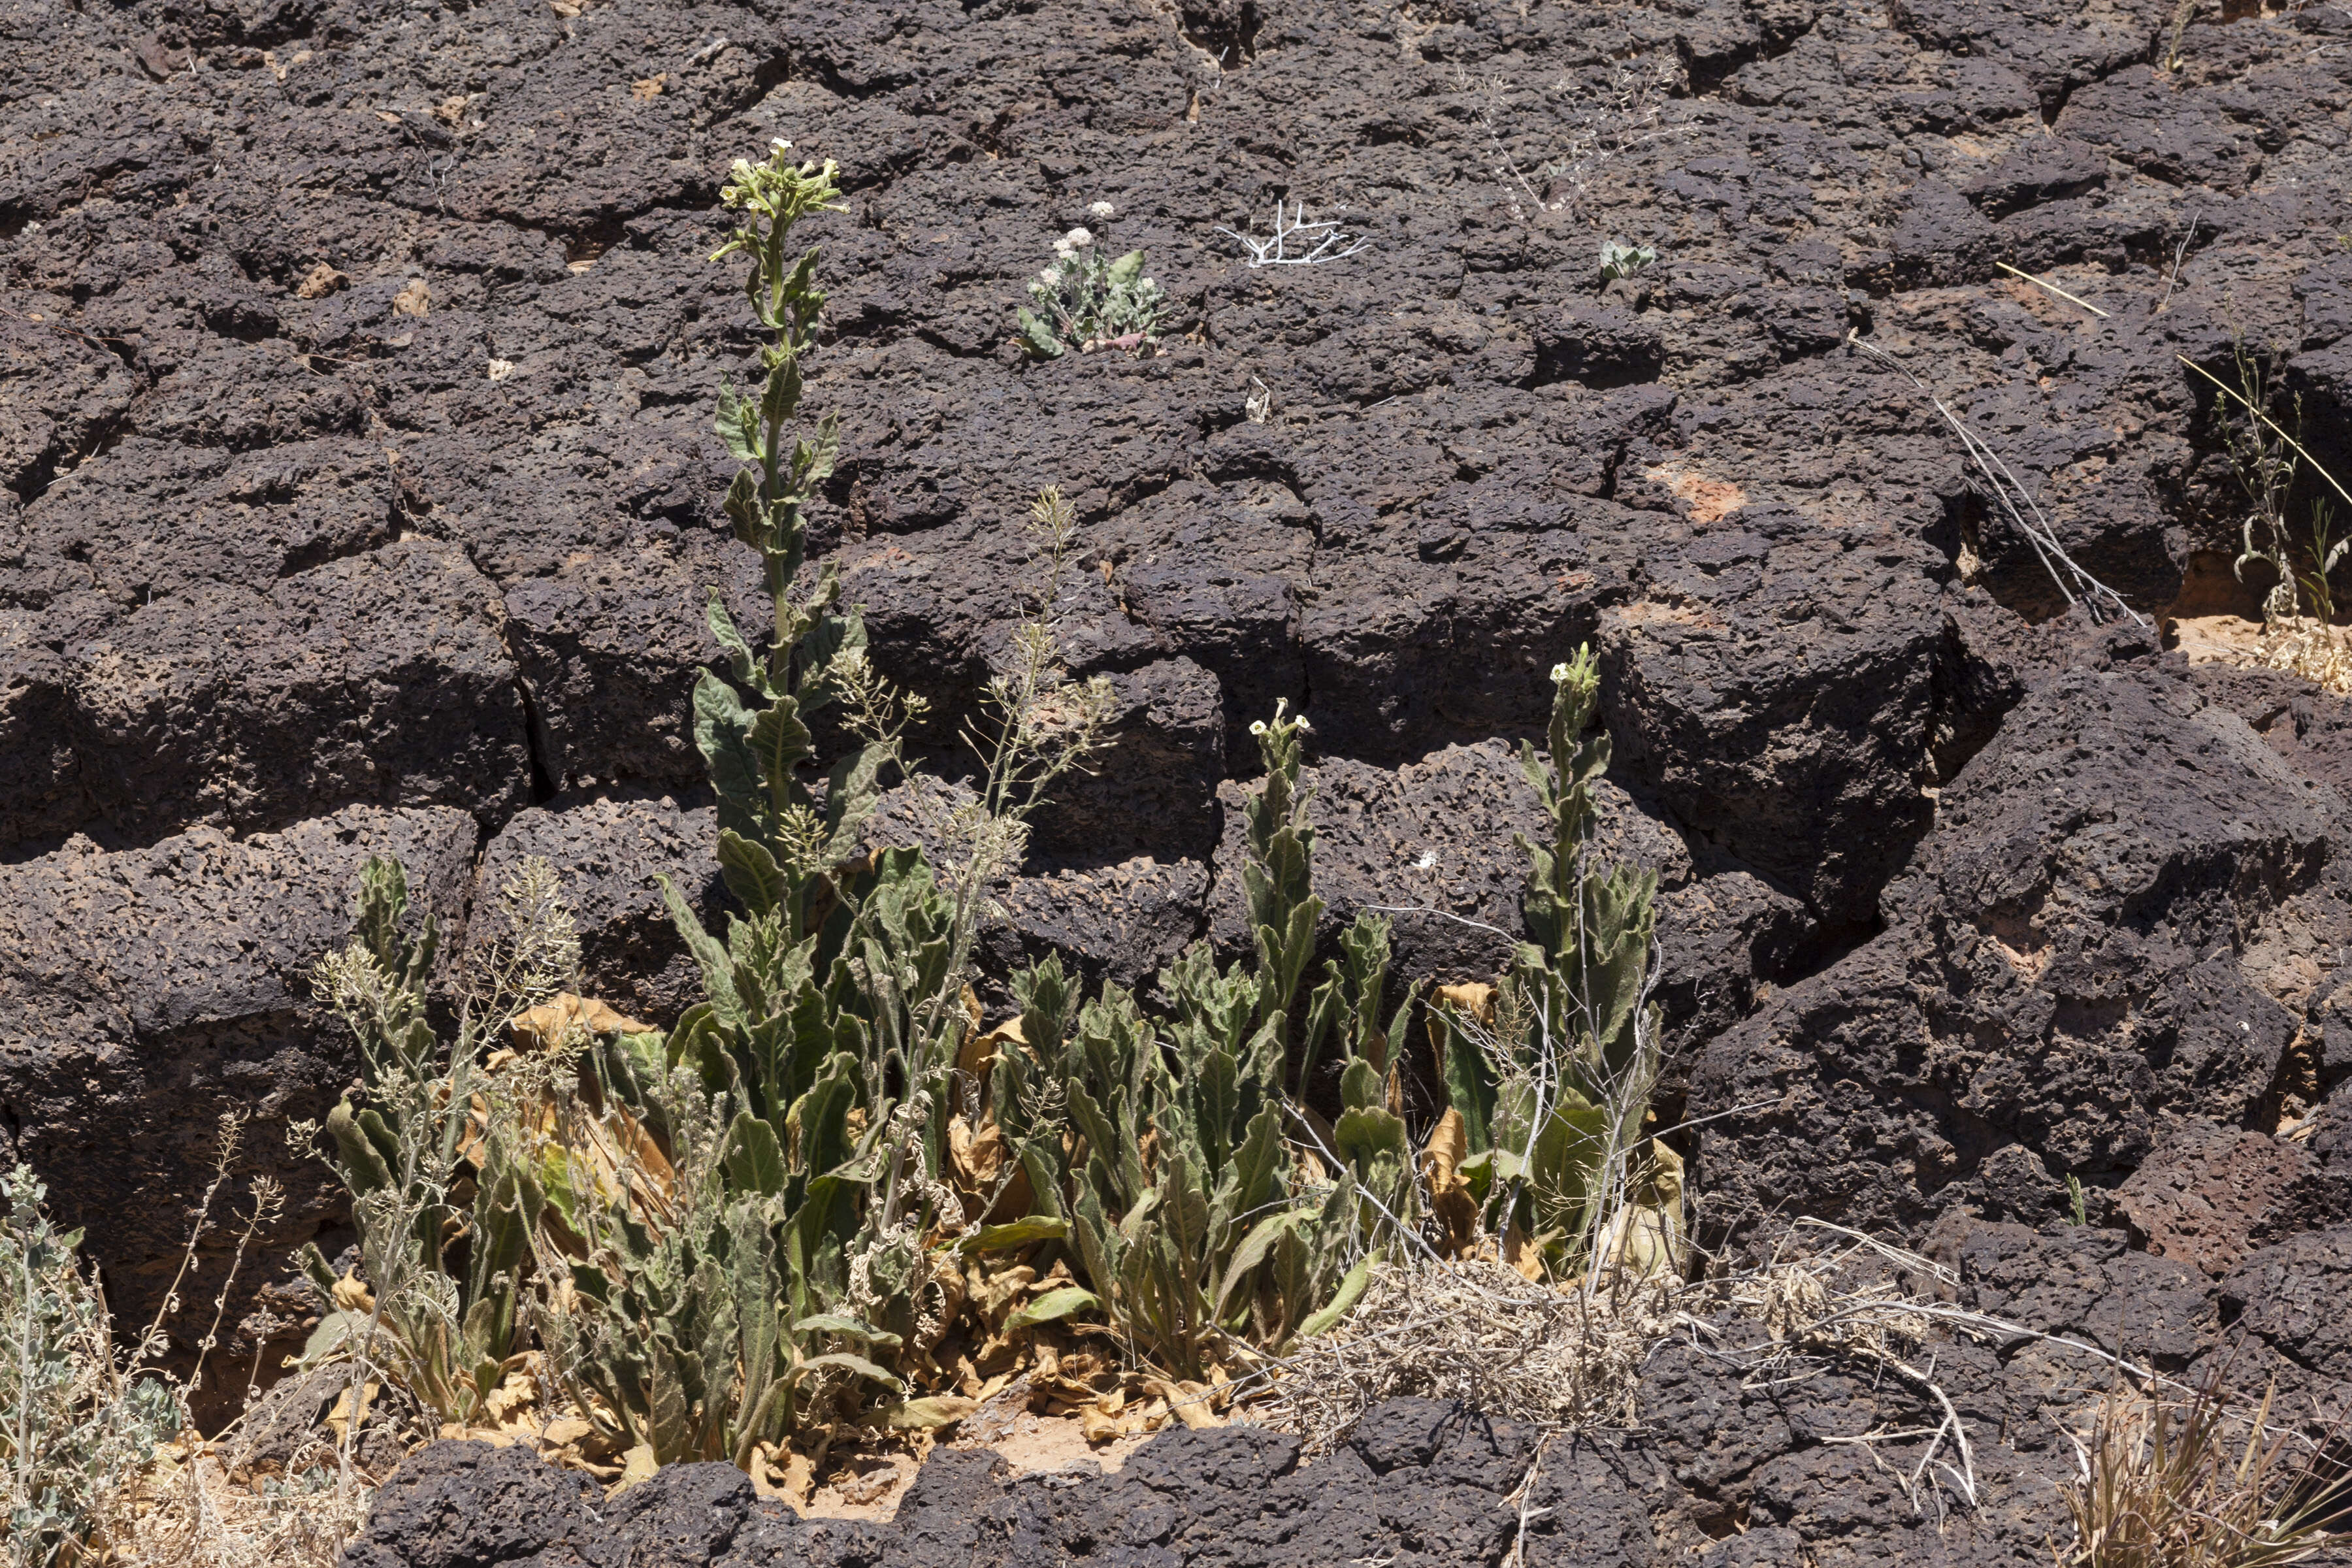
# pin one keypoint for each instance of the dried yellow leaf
(351, 1295)
(548, 1027)
(1477, 999)
(638, 1466)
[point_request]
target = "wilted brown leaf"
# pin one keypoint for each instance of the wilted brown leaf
(1522, 1253)
(351, 1295)
(1449, 1191)
(1191, 1403)
(1477, 999)
(649, 88)
(548, 1027)
(417, 299)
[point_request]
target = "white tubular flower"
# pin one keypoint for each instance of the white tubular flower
(779, 145)
(1257, 726)
(1559, 675)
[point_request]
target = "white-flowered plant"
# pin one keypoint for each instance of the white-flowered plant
(1086, 301)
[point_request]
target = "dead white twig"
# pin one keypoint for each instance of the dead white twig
(1293, 238)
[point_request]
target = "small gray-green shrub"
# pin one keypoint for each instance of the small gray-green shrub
(75, 1424)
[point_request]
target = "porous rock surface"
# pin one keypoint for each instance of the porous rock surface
(357, 493)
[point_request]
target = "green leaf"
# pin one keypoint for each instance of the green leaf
(314, 1266)
(848, 1328)
(779, 744)
(926, 1414)
(334, 1330)
(742, 507)
(847, 1362)
(1469, 1083)
(753, 1159)
(1343, 1300)
(1019, 1233)
(851, 791)
(1038, 338)
(1052, 1306)
(822, 1116)
(1252, 1251)
(1127, 267)
(365, 1170)
(751, 873)
(717, 968)
(739, 652)
(723, 732)
(737, 423)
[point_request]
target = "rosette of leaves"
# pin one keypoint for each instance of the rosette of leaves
(1158, 1151)
(1621, 260)
(1552, 1079)
(1087, 300)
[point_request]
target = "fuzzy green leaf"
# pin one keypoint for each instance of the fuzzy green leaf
(847, 1362)
(1343, 1300)
(753, 1159)
(847, 1328)
(1018, 1233)
(1052, 1306)
(751, 873)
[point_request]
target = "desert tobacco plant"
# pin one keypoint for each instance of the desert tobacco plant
(1159, 1149)
(1087, 300)
(1552, 1071)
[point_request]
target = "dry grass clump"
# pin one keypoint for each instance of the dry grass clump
(190, 1511)
(1569, 1356)
(2310, 647)
(1481, 1333)
(2171, 1482)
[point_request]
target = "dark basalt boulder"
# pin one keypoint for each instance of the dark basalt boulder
(2080, 955)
